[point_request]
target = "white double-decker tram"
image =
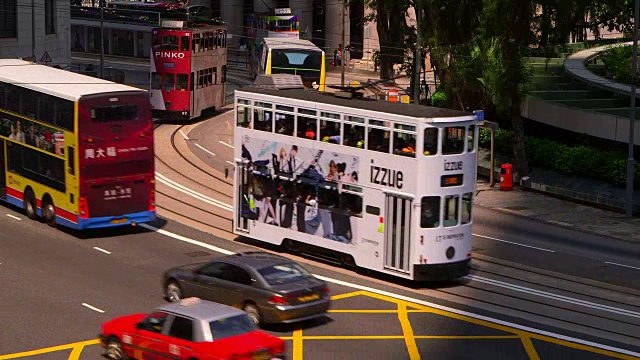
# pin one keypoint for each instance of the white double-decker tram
(384, 186)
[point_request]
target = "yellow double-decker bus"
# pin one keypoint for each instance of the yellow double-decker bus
(75, 150)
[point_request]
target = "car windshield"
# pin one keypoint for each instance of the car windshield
(232, 326)
(283, 273)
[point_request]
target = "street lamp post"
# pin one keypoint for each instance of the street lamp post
(101, 42)
(632, 118)
(416, 81)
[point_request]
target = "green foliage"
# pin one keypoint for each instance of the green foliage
(582, 161)
(439, 99)
(617, 62)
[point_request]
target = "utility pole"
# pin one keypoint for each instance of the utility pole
(101, 42)
(33, 31)
(343, 51)
(632, 119)
(416, 76)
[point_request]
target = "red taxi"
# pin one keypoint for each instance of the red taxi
(191, 329)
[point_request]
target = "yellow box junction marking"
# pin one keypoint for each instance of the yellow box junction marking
(404, 308)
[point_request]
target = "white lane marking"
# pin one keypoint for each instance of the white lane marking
(13, 217)
(225, 144)
(417, 301)
(627, 266)
(165, 180)
(205, 150)
(183, 134)
(187, 240)
(230, 163)
(513, 243)
(101, 249)
(553, 296)
(93, 308)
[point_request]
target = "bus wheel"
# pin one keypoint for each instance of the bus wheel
(49, 211)
(29, 204)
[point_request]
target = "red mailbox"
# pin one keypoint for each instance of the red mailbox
(506, 177)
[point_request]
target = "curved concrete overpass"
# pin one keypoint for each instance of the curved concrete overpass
(579, 100)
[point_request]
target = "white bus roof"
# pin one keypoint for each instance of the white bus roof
(56, 82)
(285, 43)
(408, 110)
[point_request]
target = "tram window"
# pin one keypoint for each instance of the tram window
(404, 144)
(307, 112)
(156, 42)
(328, 198)
(223, 75)
(307, 127)
(467, 204)
(262, 120)
(356, 119)
(200, 79)
(330, 115)
(430, 141)
(193, 43)
(284, 124)
(284, 108)
(354, 135)
(430, 212)
(192, 82)
(168, 82)
(471, 138)
(156, 81)
(184, 43)
(210, 76)
(351, 203)
(215, 75)
(330, 131)
(169, 42)
(182, 82)
(378, 140)
(450, 210)
(243, 117)
(453, 140)
(372, 210)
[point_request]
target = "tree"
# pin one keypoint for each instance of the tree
(390, 17)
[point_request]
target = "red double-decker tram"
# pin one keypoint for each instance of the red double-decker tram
(188, 70)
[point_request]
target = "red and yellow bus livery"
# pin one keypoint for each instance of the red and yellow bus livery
(188, 70)
(75, 150)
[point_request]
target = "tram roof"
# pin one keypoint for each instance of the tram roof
(56, 82)
(409, 110)
(286, 43)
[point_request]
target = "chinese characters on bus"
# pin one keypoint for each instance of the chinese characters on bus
(117, 193)
(109, 151)
(31, 133)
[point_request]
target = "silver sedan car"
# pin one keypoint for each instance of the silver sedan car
(269, 288)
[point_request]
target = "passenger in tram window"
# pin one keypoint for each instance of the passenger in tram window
(310, 134)
(411, 146)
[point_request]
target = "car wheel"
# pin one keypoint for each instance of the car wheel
(29, 204)
(49, 212)
(173, 292)
(114, 350)
(253, 312)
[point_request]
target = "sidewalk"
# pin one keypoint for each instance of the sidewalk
(549, 202)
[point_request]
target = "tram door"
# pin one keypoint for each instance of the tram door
(243, 212)
(397, 233)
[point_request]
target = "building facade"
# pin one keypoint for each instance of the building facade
(22, 37)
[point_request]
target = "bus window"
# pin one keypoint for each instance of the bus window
(330, 131)
(156, 81)
(471, 138)
(243, 118)
(113, 113)
(168, 83)
(430, 141)
(467, 204)
(284, 124)
(184, 43)
(169, 42)
(453, 140)
(354, 135)
(182, 82)
(450, 210)
(430, 214)
(262, 120)
(404, 144)
(307, 127)
(378, 140)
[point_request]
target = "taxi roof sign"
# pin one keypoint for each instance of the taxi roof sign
(190, 301)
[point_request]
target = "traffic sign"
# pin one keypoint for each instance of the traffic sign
(46, 58)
